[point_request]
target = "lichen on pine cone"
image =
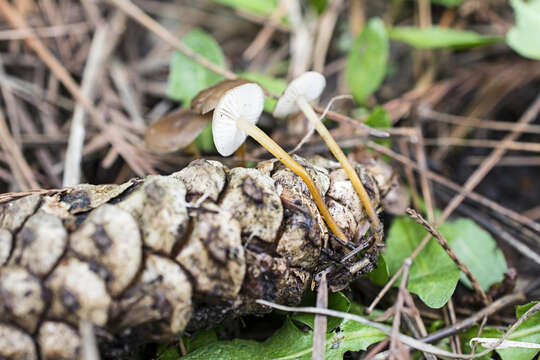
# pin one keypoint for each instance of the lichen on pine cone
(154, 257)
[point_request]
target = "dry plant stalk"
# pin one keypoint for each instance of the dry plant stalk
(153, 258)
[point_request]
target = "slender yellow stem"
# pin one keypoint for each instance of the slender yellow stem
(280, 154)
(340, 156)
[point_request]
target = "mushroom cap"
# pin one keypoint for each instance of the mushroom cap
(310, 85)
(207, 100)
(175, 131)
(245, 102)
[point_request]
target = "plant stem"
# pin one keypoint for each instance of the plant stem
(280, 154)
(340, 156)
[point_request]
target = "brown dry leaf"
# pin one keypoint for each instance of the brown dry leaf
(207, 100)
(175, 131)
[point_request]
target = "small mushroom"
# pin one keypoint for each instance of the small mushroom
(308, 87)
(234, 119)
(175, 131)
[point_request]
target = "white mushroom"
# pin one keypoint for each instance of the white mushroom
(308, 87)
(234, 119)
(305, 88)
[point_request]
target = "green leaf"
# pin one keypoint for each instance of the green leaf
(289, 342)
(448, 3)
(336, 301)
(433, 276)
(260, 7)
(271, 84)
(466, 337)
(187, 77)
(523, 37)
(168, 352)
(529, 331)
(380, 119)
(436, 37)
(352, 337)
(366, 62)
(477, 249)
(319, 5)
(202, 338)
(380, 275)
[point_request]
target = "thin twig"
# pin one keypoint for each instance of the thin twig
(444, 243)
(311, 130)
(376, 349)
(426, 186)
(319, 329)
(484, 143)
(452, 315)
(395, 346)
(510, 161)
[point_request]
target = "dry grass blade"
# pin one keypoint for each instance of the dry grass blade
(48, 31)
(72, 167)
(428, 113)
(127, 151)
(485, 143)
(20, 168)
(510, 161)
(264, 36)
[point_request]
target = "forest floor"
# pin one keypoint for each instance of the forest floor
(80, 90)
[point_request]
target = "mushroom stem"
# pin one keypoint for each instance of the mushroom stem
(340, 156)
(280, 154)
